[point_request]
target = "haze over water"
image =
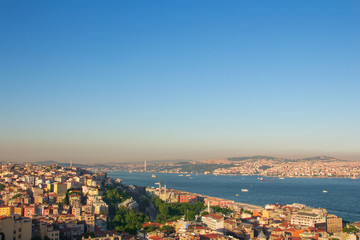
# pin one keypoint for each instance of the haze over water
(342, 198)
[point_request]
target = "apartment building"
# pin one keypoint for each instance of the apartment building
(214, 221)
(16, 227)
(333, 224)
(307, 219)
(6, 211)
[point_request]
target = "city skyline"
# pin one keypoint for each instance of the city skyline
(138, 80)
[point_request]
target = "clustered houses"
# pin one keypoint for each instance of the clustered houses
(274, 222)
(50, 202)
(177, 196)
(249, 222)
(266, 167)
(318, 167)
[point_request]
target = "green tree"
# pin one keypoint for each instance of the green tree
(128, 220)
(16, 196)
(150, 228)
(224, 211)
(174, 211)
(169, 229)
(190, 215)
(164, 209)
(204, 213)
(350, 229)
(160, 218)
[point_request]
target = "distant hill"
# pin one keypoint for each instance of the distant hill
(51, 162)
(316, 158)
(255, 158)
(320, 158)
(48, 162)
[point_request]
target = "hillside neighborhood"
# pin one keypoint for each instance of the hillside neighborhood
(56, 202)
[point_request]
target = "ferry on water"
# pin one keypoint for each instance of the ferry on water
(266, 180)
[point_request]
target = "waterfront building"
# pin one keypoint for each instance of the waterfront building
(307, 219)
(212, 201)
(187, 198)
(214, 221)
(333, 224)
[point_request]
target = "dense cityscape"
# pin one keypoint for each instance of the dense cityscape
(179, 120)
(314, 167)
(56, 202)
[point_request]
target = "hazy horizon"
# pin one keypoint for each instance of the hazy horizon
(289, 156)
(148, 80)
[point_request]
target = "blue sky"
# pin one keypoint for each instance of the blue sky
(133, 80)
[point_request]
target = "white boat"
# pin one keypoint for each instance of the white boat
(237, 195)
(180, 175)
(324, 191)
(281, 178)
(244, 190)
(188, 175)
(153, 176)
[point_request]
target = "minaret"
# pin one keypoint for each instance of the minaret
(145, 166)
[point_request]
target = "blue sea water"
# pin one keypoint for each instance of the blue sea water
(342, 198)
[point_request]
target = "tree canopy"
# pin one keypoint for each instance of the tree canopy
(174, 211)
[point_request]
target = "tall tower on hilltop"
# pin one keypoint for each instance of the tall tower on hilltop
(145, 166)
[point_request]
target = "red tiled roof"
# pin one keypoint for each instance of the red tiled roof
(214, 215)
(200, 227)
(278, 230)
(210, 236)
(150, 223)
(156, 238)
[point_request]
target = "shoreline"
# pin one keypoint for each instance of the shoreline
(246, 201)
(211, 174)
